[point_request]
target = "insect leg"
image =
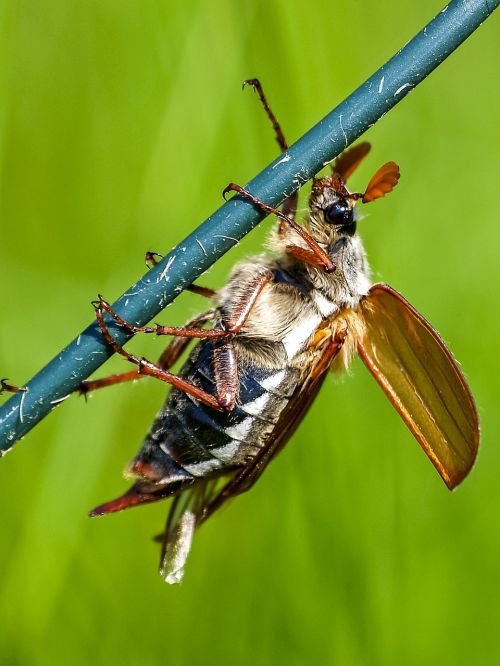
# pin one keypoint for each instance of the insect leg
(225, 372)
(280, 137)
(9, 388)
(332, 349)
(323, 259)
(304, 255)
(179, 331)
(151, 259)
(242, 307)
(171, 354)
(201, 291)
(146, 367)
(289, 207)
(224, 354)
(224, 400)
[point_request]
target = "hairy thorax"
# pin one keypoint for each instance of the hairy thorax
(300, 307)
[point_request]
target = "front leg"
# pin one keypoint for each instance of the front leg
(322, 257)
(304, 255)
(232, 325)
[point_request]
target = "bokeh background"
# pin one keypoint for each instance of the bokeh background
(120, 123)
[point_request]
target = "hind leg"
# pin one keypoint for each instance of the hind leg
(289, 206)
(169, 357)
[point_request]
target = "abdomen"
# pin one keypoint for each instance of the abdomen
(190, 440)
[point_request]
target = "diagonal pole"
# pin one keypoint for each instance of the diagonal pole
(188, 260)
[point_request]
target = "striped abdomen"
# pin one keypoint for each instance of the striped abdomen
(190, 440)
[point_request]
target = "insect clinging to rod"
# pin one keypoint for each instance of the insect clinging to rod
(277, 327)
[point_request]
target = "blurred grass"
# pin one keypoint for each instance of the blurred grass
(120, 124)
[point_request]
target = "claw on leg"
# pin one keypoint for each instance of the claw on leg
(152, 258)
(10, 388)
(323, 260)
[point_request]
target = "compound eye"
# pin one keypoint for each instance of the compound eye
(339, 213)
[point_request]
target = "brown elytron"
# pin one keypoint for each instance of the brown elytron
(277, 327)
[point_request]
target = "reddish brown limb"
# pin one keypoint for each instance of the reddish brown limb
(289, 207)
(323, 258)
(120, 378)
(146, 367)
(280, 137)
(201, 291)
(233, 325)
(178, 331)
(304, 255)
(226, 372)
(282, 229)
(175, 349)
(172, 352)
(224, 354)
(289, 210)
(328, 354)
(152, 259)
(9, 388)
(171, 355)
(244, 303)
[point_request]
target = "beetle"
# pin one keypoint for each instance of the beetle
(278, 326)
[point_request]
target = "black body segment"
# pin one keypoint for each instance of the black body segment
(197, 441)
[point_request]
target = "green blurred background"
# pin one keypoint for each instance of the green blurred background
(120, 123)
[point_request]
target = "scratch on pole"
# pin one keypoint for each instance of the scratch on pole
(201, 245)
(343, 131)
(163, 275)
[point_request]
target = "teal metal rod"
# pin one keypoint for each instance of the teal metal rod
(188, 260)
